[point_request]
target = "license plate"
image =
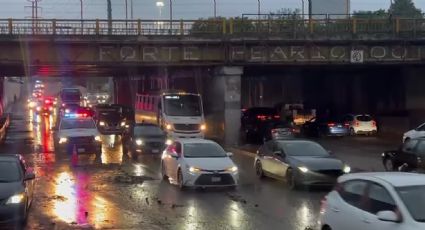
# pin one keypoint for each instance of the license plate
(215, 179)
(339, 126)
(81, 150)
(155, 150)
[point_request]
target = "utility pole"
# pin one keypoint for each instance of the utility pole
(131, 12)
(81, 15)
(34, 13)
(302, 8)
(259, 9)
(171, 16)
(310, 9)
(109, 17)
(215, 9)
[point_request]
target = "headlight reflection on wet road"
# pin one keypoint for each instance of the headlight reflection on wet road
(66, 202)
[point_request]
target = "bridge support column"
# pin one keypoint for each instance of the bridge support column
(224, 96)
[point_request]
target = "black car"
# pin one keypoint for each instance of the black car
(110, 120)
(255, 120)
(16, 189)
(145, 138)
(410, 156)
(299, 162)
(325, 126)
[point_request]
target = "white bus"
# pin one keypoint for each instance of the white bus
(180, 114)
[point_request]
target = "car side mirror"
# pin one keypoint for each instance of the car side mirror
(330, 152)
(174, 155)
(229, 154)
(29, 176)
(388, 216)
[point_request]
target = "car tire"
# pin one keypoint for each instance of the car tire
(180, 180)
(388, 165)
(291, 180)
(326, 227)
(163, 172)
(352, 132)
(259, 170)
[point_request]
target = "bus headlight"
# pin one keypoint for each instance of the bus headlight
(168, 127)
(139, 142)
(102, 123)
(122, 123)
(169, 142)
(203, 127)
(63, 140)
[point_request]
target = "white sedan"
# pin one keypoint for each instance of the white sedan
(198, 163)
(414, 133)
(370, 201)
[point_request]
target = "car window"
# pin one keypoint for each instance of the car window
(408, 146)
(9, 171)
(421, 128)
(420, 148)
(348, 118)
(203, 150)
(379, 199)
(364, 118)
(353, 191)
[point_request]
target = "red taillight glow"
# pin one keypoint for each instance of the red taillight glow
(374, 123)
(323, 205)
(261, 117)
(347, 124)
(276, 116)
(357, 124)
(274, 131)
(47, 101)
(331, 124)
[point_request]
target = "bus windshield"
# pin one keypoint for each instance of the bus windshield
(182, 105)
(71, 95)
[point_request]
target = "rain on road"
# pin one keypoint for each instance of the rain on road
(125, 194)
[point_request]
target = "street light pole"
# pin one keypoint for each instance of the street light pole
(171, 15)
(131, 8)
(81, 15)
(259, 8)
(310, 9)
(302, 8)
(215, 9)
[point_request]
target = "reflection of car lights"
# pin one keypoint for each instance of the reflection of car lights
(139, 142)
(232, 169)
(303, 169)
(102, 123)
(16, 199)
(97, 138)
(38, 108)
(347, 169)
(63, 140)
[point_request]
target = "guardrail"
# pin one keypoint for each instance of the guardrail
(4, 125)
(288, 27)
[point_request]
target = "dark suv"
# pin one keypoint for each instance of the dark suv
(113, 119)
(255, 121)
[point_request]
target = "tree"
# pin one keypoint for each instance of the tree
(371, 14)
(286, 13)
(405, 8)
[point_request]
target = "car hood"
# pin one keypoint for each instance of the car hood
(317, 163)
(9, 189)
(158, 138)
(184, 120)
(219, 163)
(78, 132)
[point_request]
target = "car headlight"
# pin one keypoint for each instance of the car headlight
(168, 127)
(232, 169)
(122, 123)
(97, 138)
(102, 123)
(303, 169)
(63, 140)
(347, 169)
(139, 142)
(67, 110)
(38, 108)
(169, 142)
(194, 169)
(203, 127)
(16, 199)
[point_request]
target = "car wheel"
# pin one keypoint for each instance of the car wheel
(388, 164)
(326, 227)
(259, 170)
(163, 172)
(24, 220)
(291, 180)
(352, 132)
(180, 180)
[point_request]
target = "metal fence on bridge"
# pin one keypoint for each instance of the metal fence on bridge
(287, 27)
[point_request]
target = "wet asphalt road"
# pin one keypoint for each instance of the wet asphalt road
(124, 194)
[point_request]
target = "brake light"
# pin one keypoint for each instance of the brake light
(374, 123)
(331, 124)
(357, 124)
(276, 116)
(347, 124)
(47, 101)
(274, 131)
(261, 117)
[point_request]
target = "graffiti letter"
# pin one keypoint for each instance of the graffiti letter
(238, 53)
(105, 52)
(127, 53)
(317, 54)
(378, 52)
(257, 53)
(338, 52)
(170, 52)
(398, 52)
(150, 54)
(297, 51)
(278, 54)
(191, 53)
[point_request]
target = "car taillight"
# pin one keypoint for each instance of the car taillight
(323, 205)
(347, 124)
(357, 124)
(274, 131)
(374, 123)
(276, 116)
(261, 117)
(331, 124)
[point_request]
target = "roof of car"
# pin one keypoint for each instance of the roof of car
(9, 157)
(195, 140)
(396, 179)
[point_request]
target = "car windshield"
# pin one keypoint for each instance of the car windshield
(414, 199)
(109, 113)
(303, 148)
(77, 124)
(203, 150)
(364, 118)
(182, 105)
(9, 172)
(148, 131)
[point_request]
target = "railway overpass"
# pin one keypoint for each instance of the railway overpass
(216, 53)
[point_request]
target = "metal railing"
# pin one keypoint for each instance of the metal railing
(285, 27)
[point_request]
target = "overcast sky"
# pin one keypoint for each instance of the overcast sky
(182, 9)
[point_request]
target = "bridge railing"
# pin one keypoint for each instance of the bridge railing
(287, 27)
